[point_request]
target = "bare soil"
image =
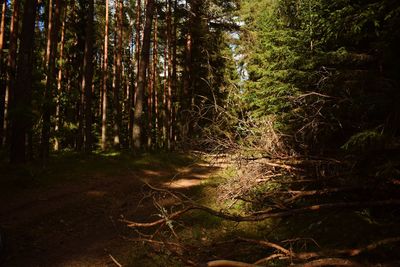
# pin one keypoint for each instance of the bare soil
(76, 223)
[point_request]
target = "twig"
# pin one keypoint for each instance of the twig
(268, 214)
(279, 256)
(227, 263)
(115, 261)
(266, 244)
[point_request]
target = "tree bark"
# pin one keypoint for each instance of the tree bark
(154, 81)
(22, 93)
(118, 76)
(51, 50)
(105, 81)
(87, 77)
(187, 78)
(143, 66)
(60, 81)
(137, 59)
(169, 91)
(11, 68)
(2, 68)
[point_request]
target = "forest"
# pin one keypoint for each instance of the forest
(225, 133)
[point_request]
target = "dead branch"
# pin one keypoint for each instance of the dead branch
(260, 216)
(300, 194)
(227, 263)
(279, 256)
(279, 165)
(347, 252)
(328, 262)
(115, 261)
(159, 243)
(266, 244)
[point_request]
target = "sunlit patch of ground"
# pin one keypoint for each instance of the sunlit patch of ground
(182, 183)
(69, 213)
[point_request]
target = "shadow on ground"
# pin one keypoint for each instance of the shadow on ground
(68, 212)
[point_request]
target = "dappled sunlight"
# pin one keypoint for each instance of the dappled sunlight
(152, 172)
(182, 183)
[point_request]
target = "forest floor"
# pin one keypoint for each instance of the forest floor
(71, 212)
(68, 214)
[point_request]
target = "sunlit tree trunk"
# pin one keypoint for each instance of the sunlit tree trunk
(154, 81)
(118, 75)
(169, 76)
(105, 81)
(11, 67)
(174, 72)
(143, 65)
(50, 62)
(22, 93)
(2, 70)
(152, 93)
(60, 81)
(137, 59)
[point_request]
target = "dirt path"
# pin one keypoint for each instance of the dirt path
(76, 224)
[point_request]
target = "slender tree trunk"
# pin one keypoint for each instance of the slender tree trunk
(11, 67)
(170, 60)
(154, 79)
(51, 50)
(105, 81)
(87, 77)
(152, 105)
(21, 100)
(60, 81)
(143, 65)
(137, 59)
(174, 73)
(2, 72)
(118, 76)
(164, 99)
(187, 79)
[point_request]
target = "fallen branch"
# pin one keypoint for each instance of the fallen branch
(115, 261)
(328, 262)
(260, 216)
(266, 244)
(227, 263)
(279, 256)
(346, 252)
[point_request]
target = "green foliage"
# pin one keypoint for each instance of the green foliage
(325, 69)
(364, 140)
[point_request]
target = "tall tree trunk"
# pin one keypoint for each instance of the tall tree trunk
(51, 50)
(118, 75)
(87, 77)
(22, 94)
(154, 81)
(187, 93)
(170, 60)
(11, 67)
(137, 59)
(105, 81)
(2, 68)
(187, 82)
(143, 65)
(151, 104)
(60, 81)
(174, 72)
